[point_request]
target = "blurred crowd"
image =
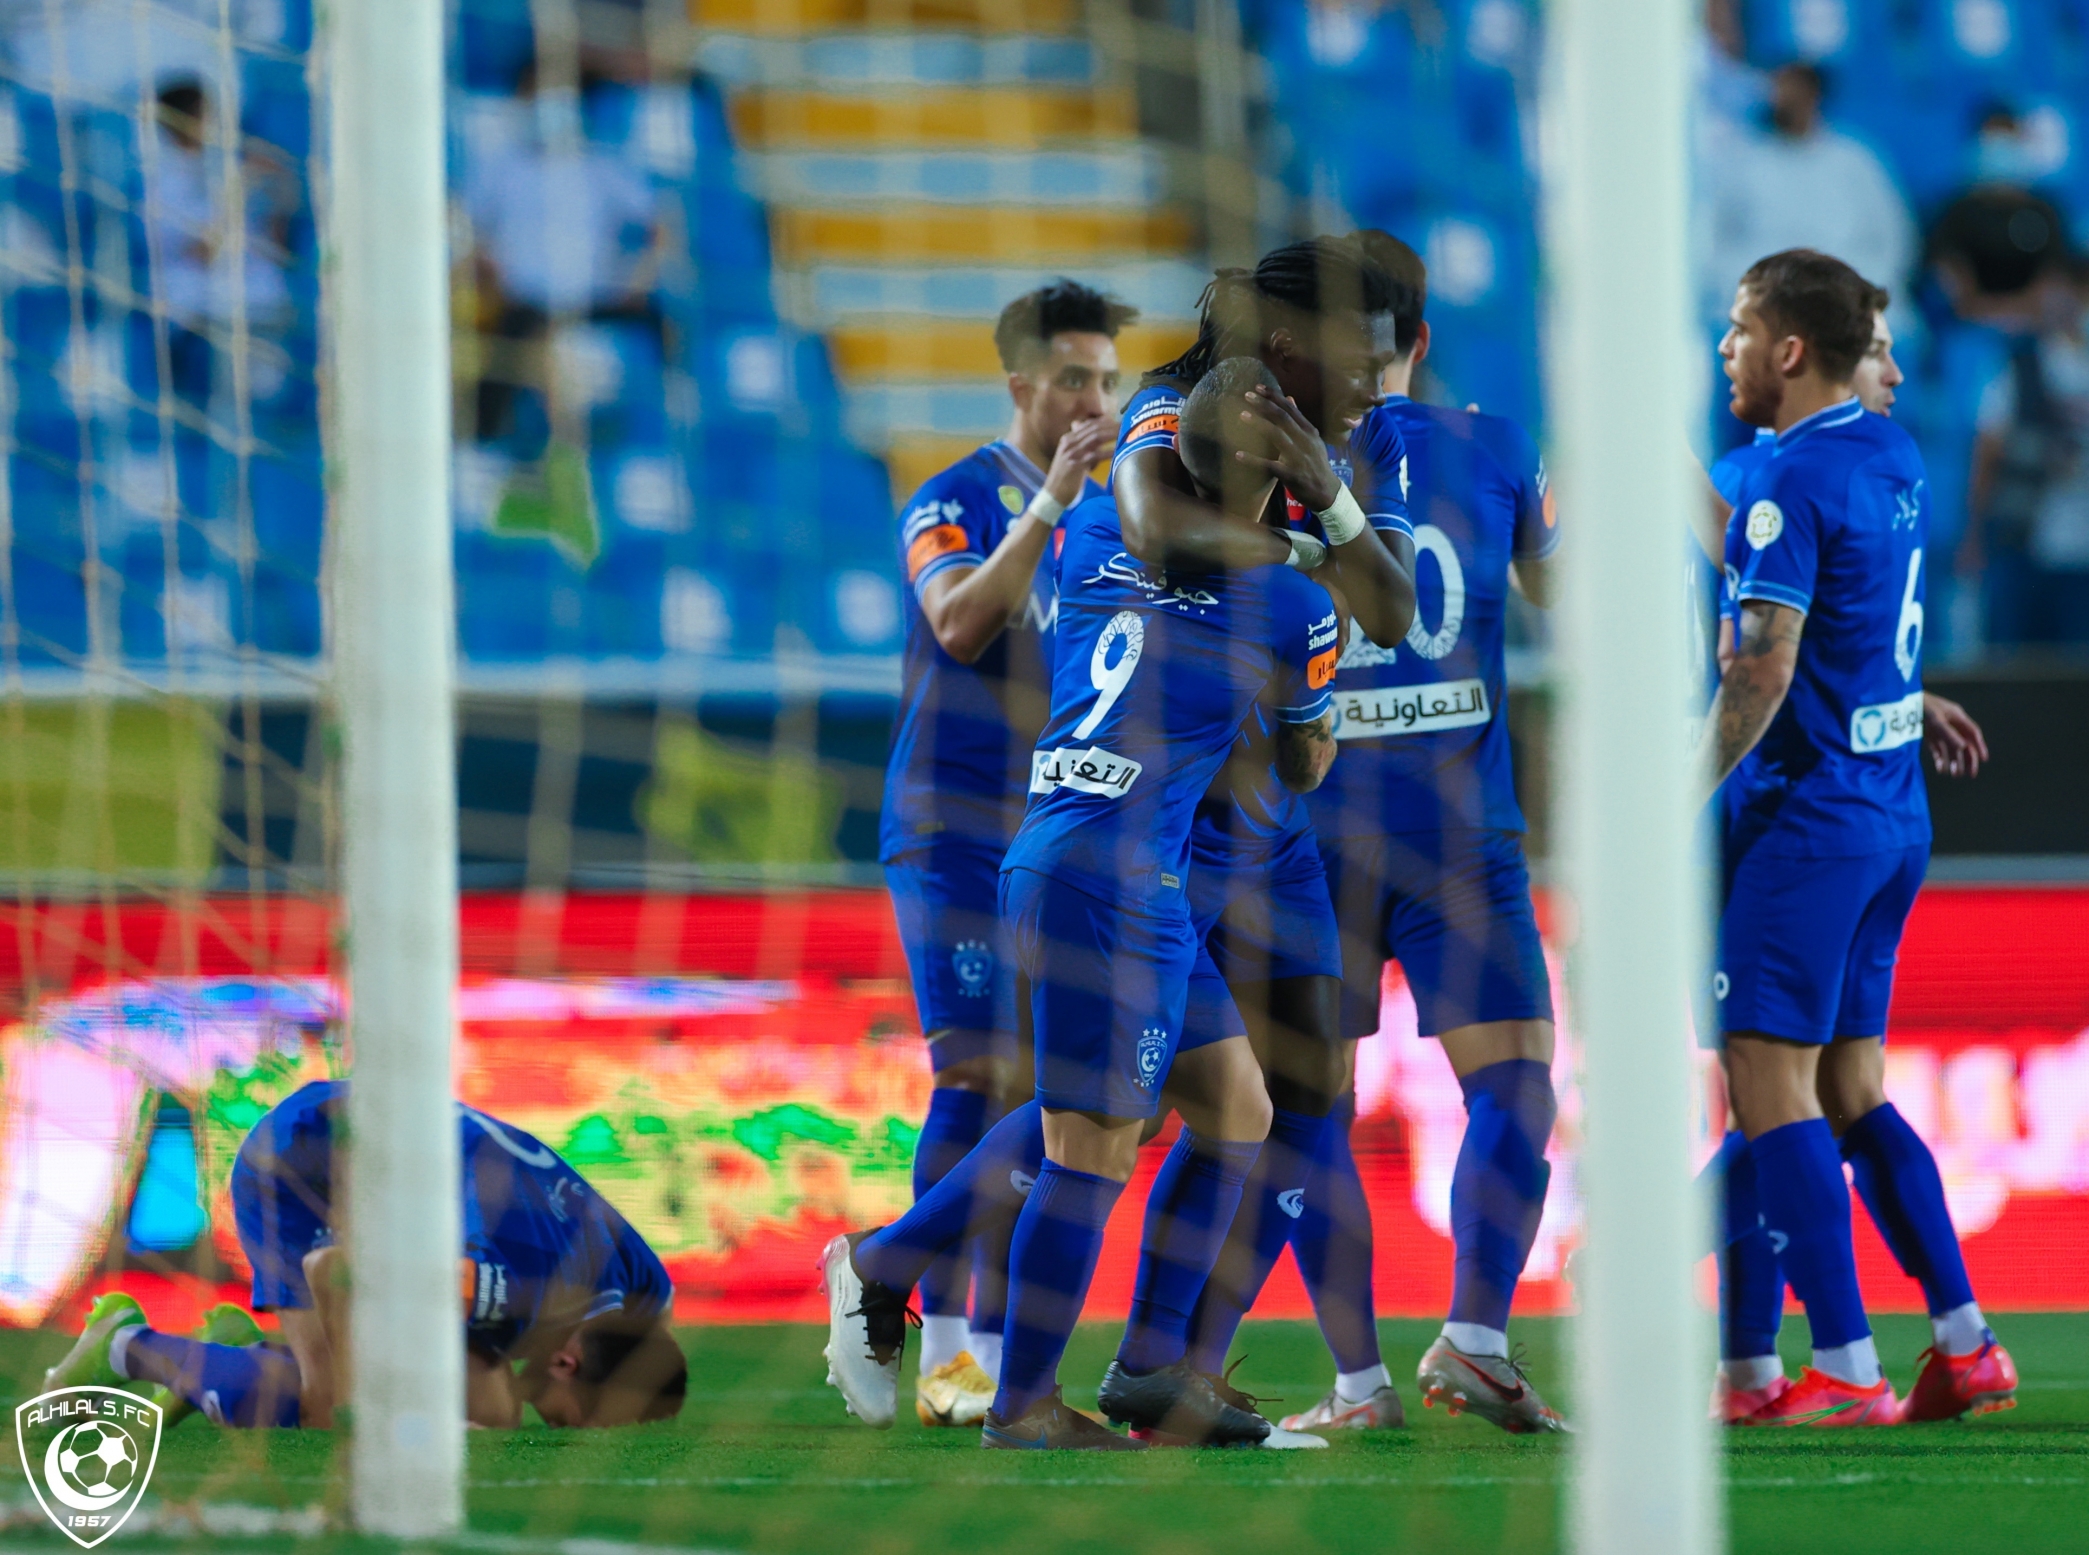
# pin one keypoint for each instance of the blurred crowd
(1990, 307)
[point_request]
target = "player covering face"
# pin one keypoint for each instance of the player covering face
(565, 1308)
(1154, 678)
(1321, 315)
(1420, 832)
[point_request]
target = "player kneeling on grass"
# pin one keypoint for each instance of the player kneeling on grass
(565, 1306)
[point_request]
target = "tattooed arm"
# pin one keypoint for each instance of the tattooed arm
(1766, 652)
(1305, 752)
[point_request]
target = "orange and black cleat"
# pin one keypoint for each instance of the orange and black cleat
(1955, 1385)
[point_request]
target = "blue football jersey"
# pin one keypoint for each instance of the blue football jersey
(540, 1245)
(1238, 823)
(1424, 724)
(1154, 676)
(1834, 523)
(1711, 586)
(961, 744)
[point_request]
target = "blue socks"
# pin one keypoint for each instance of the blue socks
(1898, 1181)
(955, 1121)
(1498, 1186)
(983, 1191)
(1806, 1213)
(1332, 1241)
(1270, 1203)
(250, 1385)
(1751, 1284)
(1188, 1214)
(1051, 1260)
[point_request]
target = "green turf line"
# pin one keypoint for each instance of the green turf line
(764, 1462)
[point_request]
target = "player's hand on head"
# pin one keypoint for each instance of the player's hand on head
(1083, 446)
(1956, 746)
(1292, 449)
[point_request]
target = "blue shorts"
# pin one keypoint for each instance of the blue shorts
(1107, 994)
(1267, 918)
(1210, 1015)
(1807, 945)
(945, 897)
(282, 1192)
(1454, 909)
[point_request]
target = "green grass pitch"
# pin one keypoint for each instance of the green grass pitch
(764, 1462)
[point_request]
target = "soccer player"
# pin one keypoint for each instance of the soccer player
(1896, 1176)
(980, 617)
(1421, 836)
(1815, 734)
(1320, 315)
(553, 1279)
(1154, 678)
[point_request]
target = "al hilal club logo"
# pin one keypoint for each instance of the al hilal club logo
(89, 1454)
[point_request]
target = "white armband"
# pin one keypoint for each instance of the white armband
(1306, 552)
(1345, 520)
(1044, 507)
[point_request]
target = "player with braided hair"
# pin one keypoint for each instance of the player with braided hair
(1319, 315)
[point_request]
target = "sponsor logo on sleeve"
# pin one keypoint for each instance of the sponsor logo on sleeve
(1320, 669)
(1011, 498)
(941, 540)
(1765, 523)
(1158, 422)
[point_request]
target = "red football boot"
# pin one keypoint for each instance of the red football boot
(1955, 1385)
(1818, 1399)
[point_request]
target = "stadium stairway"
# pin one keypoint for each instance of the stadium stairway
(924, 161)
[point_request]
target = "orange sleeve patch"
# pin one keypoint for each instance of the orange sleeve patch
(468, 1272)
(1320, 669)
(1550, 509)
(1153, 425)
(942, 540)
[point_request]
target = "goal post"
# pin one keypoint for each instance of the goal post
(1644, 1478)
(393, 623)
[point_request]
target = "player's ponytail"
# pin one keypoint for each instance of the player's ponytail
(1307, 279)
(1228, 320)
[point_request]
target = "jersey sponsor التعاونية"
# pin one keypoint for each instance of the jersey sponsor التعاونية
(1153, 677)
(1834, 524)
(961, 743)
(1423, 724)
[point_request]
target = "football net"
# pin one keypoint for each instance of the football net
(721, 287)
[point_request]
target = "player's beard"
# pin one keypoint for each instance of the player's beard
(1756, 398)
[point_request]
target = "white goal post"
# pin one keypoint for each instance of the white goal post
(1644, 1477)
(387, 298)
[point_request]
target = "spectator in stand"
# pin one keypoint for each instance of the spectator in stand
(1797, 184)
(213, 268)
(1995, 247)
(563, 232)
(2030, 486)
